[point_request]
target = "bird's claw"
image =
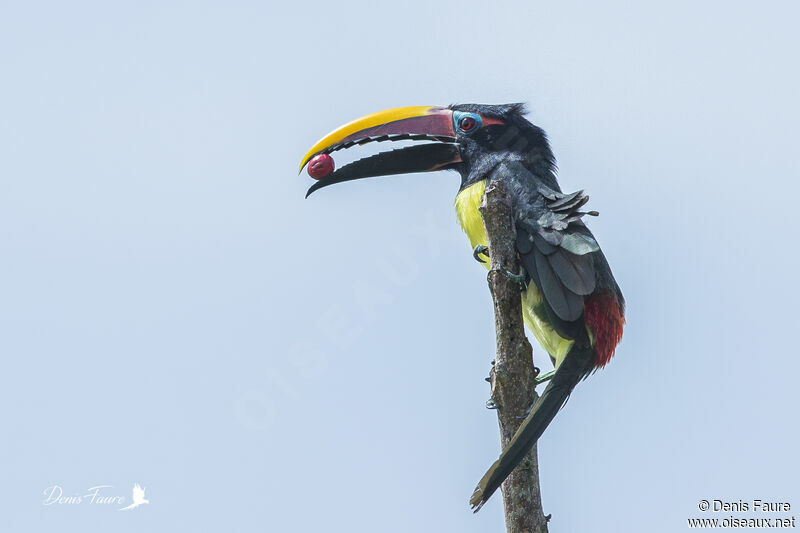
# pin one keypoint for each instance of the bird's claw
(488, 379)
(527, 412)
(480, 250)
(547, 376)
(517, 278)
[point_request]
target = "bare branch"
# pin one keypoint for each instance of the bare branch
(513, 376)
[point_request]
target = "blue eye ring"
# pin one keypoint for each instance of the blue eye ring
(467, 122)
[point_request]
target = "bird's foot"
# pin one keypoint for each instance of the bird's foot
(527, 412)
(480, 250)
(517, 278)
(490, 402)
(547, 376)
(488, 379)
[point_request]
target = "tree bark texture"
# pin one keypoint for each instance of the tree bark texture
(513, 377)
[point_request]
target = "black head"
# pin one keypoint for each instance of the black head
(503, 133)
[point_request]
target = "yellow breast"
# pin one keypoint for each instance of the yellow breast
(467, 202)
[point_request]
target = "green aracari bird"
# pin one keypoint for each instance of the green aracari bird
(570, 300)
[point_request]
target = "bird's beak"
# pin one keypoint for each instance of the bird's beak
(402, 123)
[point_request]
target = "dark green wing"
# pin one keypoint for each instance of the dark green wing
(556, 248)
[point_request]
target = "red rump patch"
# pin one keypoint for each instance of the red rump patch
(605, 316)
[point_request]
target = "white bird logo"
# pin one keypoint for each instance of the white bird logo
(138, 498)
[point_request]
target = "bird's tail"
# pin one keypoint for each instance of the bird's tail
(569, 373)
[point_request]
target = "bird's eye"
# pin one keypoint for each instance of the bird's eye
(467, 123)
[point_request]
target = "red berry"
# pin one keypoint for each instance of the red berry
(320, 166)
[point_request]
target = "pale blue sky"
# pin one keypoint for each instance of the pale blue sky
(174, 313)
